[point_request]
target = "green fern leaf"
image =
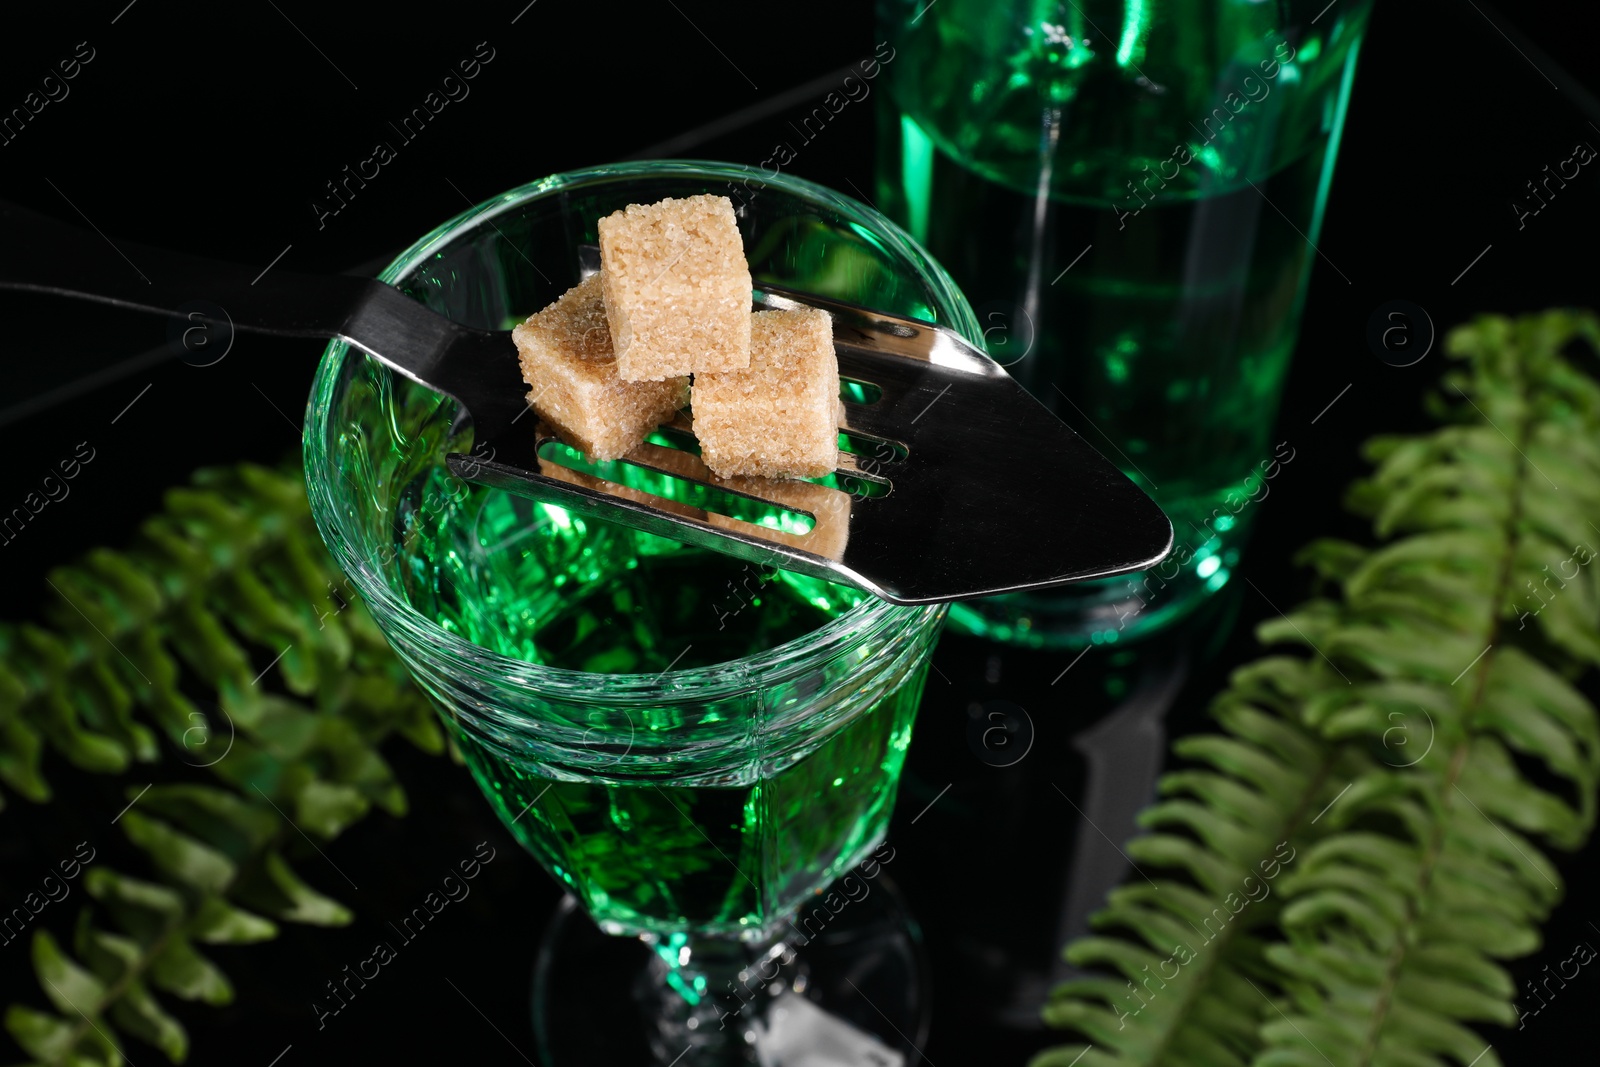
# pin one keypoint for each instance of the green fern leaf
(1448, 656)
(231, 577)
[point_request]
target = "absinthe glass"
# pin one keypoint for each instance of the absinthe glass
(692, 745)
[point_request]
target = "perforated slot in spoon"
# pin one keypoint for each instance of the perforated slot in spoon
(681, 489)
(850, 478)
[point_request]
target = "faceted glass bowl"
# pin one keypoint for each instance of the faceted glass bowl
(591, 770)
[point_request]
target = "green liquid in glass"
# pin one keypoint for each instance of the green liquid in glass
(736, 856)
(692, 746)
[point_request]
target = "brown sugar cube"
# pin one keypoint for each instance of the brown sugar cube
(568, 363)
(778, 418)
(677, 288)
(829, 507)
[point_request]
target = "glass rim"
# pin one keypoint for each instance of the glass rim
(870, 616)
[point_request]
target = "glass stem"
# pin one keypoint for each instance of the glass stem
(711, 995)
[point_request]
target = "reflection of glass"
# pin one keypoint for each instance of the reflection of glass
(691, 745)
(1128, 191)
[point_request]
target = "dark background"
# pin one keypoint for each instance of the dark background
(212, 128)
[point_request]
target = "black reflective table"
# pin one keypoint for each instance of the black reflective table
(250, 134)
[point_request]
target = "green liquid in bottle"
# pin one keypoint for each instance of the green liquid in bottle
(1128, 194)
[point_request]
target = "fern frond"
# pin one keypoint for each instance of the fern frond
(1233, 823)
(1424, 685)
(1462, 877)
(227, 591)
